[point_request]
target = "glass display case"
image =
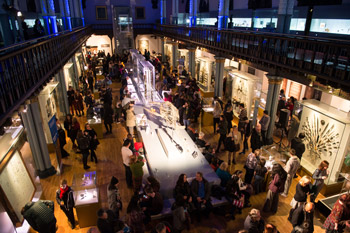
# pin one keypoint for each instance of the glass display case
(246, 89)
(86, 195)
(327, 137)
(205, 74)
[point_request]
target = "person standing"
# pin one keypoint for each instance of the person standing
(241, 118)
(200, 189)
(113, 195)
(65, 199)
(256, 140)
(222, 131)
(84, 146)
(71, 99)
(303, 218)
(302, 190)
(91, 82)
(293, 129)
(127, 155)
(319, 175)
(62, 141)
(259, 176)
(108, 117)
(339, 217)
(291, 168)
(74, 131)
(276, 186)
(298, 145)
(136, 165)
(250, 165)
(78, 104)
(130, 120)
(245, 131)
(40, 216)
(264, 122)
(229, 117)
(93, 141)
(233, 143)
(254, 223)
(216, 113)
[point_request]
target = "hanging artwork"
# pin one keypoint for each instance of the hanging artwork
(320, 136)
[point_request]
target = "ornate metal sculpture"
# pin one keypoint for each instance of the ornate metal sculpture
(320, 137)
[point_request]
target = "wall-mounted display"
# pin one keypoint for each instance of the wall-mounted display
(205, 74)
(16, 186)
(327, 137)
(246, 88)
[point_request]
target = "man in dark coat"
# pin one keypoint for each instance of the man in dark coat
(40, 216)
(62, 140)
(108, 117)
(256, 140)
(91, 82)
(301, 215)
(65, 199)
(298, 145)
(103, 225)
(152, 203)
(200, 190)
(246, 130)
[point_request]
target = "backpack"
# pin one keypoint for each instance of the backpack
(84, 143)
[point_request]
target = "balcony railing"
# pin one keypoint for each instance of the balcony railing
(25, 67)
(328, 59)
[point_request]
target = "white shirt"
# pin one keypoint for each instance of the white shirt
(125, 101)
(126, 153)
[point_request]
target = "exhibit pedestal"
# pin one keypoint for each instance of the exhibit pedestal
(85, 215)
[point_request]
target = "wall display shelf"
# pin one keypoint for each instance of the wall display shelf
(86, 198)
(16, 186)
(205, 74)
(246, 89)
(327, 132)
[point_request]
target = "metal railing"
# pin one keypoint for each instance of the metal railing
(327, 59)
(29, 65)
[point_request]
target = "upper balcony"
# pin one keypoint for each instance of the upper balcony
(289, 56)
(26, 67)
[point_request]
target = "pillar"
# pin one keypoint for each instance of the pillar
(285, 13)
(219, 77)
(62, 89)
(272, 101)
(175, 11)
(163, 49)
(192, 61)
(162, 11)
(36, 138)
(223, 14)
(66, 18)
(193, 12)
(175, 54)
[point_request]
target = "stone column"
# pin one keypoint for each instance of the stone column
(175, 11)
(192, 61)
(193, 13)
(67, 16)
(36, 138)
(219, 77)
(162, 11)
(62, 89)
(223, 14)
(163, 49)
(285, 13)
(175, 55)
(272, 101)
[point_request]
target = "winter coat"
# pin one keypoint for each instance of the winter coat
(67, 198)
(130, 118)
(39, 215)
(195, 188)
(292, 165)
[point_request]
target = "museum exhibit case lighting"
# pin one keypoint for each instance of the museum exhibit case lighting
(327, 137)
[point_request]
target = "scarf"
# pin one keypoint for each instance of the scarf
(63, 191)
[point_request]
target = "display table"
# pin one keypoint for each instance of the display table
(96, 124)
(86, 198)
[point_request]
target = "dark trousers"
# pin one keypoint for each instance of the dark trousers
(215, 122)
(221, 140)
(108, 127)
(85, 157)
(245, 143)
(64, 153)
(128, 175)
(93, 155)
(70, 215)
(249, 176)
(198, 205)
(263, 134)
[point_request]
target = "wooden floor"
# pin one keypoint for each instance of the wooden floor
(110, 164)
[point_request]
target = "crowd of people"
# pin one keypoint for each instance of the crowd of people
(192, 197)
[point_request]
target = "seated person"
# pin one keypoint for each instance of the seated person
(223, 174)
(200, 142)
(162, 227)
(151, 203)
(210, 153)
(200, 189)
